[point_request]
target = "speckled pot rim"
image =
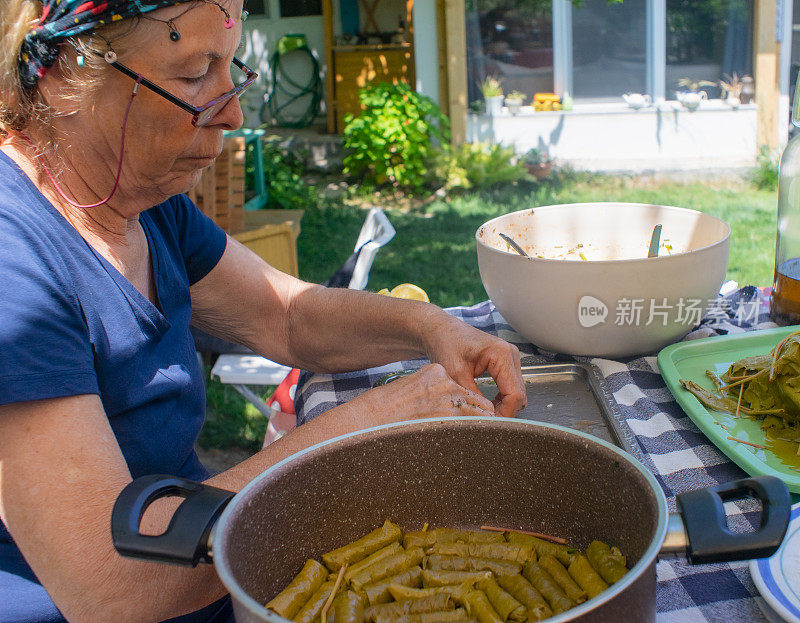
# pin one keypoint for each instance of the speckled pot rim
(650, 260)
(648, 558)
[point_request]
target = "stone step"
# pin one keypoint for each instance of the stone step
(322, 152)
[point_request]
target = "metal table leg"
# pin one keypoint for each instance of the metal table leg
(254, 400)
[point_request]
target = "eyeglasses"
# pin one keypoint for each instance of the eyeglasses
(202, 115)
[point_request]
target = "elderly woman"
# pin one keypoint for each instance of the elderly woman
(108, 109)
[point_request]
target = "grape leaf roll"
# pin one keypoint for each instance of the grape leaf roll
(348, 607)
(449, 535)
(434, 603)
(378, 592)
(390, 565)
(588, 579)
(524, 592)
(508, 608)
(607, 561)
(288, 602)
(563, 578)
(460, 563)
(548, 587)
(363, 547)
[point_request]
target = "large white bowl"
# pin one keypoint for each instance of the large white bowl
(588, 307)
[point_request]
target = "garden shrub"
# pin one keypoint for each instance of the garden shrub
(396, 139)
(481, 165)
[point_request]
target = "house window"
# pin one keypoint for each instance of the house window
(257, 8)
(598, 51)
(608, 49)
(512, 41)
(706, 40)
(300, 8)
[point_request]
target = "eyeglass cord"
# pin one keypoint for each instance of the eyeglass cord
(40, 157)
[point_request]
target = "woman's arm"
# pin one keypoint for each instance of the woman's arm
(61, 470)
(334, 330)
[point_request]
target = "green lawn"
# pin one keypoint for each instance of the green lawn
(435, 248)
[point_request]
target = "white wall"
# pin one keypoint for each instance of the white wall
(610, 137)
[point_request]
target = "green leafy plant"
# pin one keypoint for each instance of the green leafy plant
(396, 138)
(765, 176)
(284, 172)
(536, 156)
(481, 165)
(491, 87)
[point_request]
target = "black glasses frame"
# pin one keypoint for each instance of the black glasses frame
(198, 119)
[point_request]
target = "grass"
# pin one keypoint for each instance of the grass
(231, 421)
(435, 249)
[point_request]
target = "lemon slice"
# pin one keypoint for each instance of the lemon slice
(385, 292)
(410, 291)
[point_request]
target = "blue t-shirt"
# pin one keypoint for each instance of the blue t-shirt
(71, 324)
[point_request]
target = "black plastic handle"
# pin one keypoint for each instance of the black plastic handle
(710, 540)
(185, 541)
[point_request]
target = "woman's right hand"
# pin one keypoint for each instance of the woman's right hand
(429, 392)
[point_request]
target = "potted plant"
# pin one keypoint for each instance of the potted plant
(514, 101)
(538, 162)
(493, 95)
(691, 95)
(731, 89)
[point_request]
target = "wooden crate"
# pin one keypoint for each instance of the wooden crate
(220, 193)
(273, 243)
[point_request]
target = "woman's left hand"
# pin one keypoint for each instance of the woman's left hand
(466, 352)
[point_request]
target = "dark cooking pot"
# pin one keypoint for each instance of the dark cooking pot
(460, 472)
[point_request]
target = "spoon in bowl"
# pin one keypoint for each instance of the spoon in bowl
(513, 244)
(655, 241)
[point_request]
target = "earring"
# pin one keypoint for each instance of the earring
(174, 35)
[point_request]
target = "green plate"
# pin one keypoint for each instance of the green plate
(690, 360)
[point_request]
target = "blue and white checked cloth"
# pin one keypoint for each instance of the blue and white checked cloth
(674, 449)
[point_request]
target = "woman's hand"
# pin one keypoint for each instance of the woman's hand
(429, 392)
(465, 352)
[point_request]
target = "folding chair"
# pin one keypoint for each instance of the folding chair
(241, 370)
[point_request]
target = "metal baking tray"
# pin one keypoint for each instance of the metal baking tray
(568, 394)
(571, 395)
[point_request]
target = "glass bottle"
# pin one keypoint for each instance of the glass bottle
(784, 304)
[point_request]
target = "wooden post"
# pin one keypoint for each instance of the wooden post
(456, 61)
(330, 102)
(441, 46)
(767, 56)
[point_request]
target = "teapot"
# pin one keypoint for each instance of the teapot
(691, 99)
(637, 100)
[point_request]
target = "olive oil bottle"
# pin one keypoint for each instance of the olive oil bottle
(784, 304)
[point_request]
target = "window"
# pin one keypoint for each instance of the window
(608, 49)
(512, 41)
(300, 8)
(706, 40)
(257, 8)
(598, 51)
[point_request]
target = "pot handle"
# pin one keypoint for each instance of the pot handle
(710, 540)
(185, 541)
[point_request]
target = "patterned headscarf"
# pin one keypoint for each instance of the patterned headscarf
(66, 18)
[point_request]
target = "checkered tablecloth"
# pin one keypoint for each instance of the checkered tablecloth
(674, 449)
